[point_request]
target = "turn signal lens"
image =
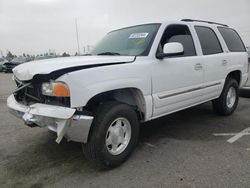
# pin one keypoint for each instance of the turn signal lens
(55, 89)
(60, 90)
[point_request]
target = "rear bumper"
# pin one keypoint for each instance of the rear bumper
(59, 119)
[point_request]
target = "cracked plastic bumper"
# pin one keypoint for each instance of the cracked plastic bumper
(56, 118)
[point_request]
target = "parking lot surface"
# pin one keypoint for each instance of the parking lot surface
(190, 148)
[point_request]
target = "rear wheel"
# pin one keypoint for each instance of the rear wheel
(228, 100)
(114, 135)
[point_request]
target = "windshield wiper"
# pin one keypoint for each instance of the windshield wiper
(109, 53)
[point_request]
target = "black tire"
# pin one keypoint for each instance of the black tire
(96, 150)
(220, 105)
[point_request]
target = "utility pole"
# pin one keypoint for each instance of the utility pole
(77, 38)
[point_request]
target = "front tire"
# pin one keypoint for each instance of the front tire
(114, 135)
(228, 101)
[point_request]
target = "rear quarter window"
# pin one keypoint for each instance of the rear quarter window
(232, 39)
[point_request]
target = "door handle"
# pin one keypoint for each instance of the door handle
(198, 66)
(224, 63)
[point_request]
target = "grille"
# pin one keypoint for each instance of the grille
(28, 93)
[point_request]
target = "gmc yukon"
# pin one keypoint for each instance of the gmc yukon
(133, 75)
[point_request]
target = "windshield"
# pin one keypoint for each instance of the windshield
(132, 41)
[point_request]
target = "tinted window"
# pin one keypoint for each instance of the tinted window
(181, 34)
(208, 40)
(232, 39)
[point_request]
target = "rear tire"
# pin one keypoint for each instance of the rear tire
(226, 104)
(114, 135)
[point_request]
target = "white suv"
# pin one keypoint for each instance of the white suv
(133, 75)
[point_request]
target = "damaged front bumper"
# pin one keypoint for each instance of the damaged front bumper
(59, 119)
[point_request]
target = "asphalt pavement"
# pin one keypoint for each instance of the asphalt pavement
(191, 148)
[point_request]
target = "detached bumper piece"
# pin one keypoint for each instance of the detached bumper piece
(61, 120)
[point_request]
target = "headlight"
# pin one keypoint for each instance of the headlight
(55, 89)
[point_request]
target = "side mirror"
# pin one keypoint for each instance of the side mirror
(171, 49)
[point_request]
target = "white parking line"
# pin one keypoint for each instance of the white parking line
(239, 135)
(236, 136)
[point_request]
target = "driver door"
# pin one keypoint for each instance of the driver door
(177, 80)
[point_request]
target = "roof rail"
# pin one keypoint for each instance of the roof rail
(191, 20)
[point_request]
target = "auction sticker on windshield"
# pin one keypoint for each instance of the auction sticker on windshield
(138, 35)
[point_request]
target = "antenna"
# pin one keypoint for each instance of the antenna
(77, 38)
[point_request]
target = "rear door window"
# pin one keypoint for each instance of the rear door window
(209, 41)
(232, 39)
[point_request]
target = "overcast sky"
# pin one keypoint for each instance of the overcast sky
(34, 26)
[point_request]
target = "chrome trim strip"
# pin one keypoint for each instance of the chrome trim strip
(188, 91)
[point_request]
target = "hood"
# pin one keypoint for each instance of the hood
(27, 71)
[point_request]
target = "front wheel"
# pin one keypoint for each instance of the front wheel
(114, 135)
(228, 101)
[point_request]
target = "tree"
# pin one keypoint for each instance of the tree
(65, 54)
(9, 56)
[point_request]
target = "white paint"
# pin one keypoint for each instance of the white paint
(26, 71)
(176, 78)
(239, 135)
(173, 48)
(138, 35)
(151, 76)
(236, 136)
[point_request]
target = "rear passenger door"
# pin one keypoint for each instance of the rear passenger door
(213, 60)
(237, 57)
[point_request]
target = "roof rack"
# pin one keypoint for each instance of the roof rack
(191, 20)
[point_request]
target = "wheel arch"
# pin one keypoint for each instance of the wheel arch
(131, 96)
(236, 74)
